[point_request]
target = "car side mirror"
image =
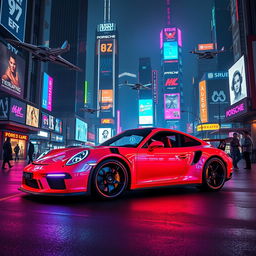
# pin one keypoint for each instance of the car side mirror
(155, 144)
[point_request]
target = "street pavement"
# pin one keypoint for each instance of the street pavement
(178, 220)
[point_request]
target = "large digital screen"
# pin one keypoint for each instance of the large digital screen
(170, 50)
(106, 100)
(81, 130)
(170, 34)
(12, 68)
(237, 81)
(172, 106)
(145, 111)
(13, 17)
(47, 92)
(32, 116)
(104, 134)
(51, 122)
(17, 111)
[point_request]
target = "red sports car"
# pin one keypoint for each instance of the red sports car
(137, 158)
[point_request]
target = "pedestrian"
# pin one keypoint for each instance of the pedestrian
(17, 151)
(7, 149)
(234, 150)
(31, 150)
(247, 146)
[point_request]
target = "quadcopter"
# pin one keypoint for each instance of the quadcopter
(138, 86)
(90, 110)
(207, 54)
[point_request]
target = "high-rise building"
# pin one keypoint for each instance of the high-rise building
(106, 76)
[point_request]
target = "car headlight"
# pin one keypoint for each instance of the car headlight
(78, 157)
(43, 154)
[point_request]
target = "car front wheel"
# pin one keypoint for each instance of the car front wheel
(214, 174)
(110, 179)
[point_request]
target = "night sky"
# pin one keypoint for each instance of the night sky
(139, 23)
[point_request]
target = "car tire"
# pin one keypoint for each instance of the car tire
(214, 175)
(110, 179)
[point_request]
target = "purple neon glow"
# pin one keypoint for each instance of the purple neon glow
(56, 175)
(118, 122)
(50, 87)
(179, 38)
(161, 39)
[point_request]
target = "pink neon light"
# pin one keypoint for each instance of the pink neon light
(17, 111)
(118, 121)
(161, 39)
(50, 87)
(235, 110)
(237, 16)
(179, 38)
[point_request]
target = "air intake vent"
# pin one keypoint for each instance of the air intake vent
(197, 157)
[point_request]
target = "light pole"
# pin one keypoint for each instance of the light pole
(197, 117)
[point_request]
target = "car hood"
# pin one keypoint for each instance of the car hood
(59, 155)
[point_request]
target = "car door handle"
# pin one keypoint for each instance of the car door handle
(182, 156)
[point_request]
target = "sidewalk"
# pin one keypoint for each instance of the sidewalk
(10, 178)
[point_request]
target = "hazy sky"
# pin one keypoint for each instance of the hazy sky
(139, 23)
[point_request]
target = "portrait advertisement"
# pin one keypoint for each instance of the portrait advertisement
(12, 68)
(237, 81)
(45, 121)
(172, 106)
(104, 134)
(32, 116)
(81, 130)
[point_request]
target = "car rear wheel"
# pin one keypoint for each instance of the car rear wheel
(214, 174)
(110, 179)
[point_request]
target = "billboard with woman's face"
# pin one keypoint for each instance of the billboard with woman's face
(32, 116)
(237, 81)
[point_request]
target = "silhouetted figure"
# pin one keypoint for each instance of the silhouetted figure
(247, 149)
(234, 150)
(7, 149)
(17, 151)
(31, 150)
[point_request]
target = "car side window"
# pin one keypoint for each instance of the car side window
(186, 141)
(169, 139)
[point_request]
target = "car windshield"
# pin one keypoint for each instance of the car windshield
(130, 138)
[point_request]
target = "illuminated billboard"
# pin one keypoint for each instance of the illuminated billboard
(237, 81)
(45, 121)
(146, 111)
(17, 111)
(205, 47)
(106, 100)
(51, 122)
(170, 50)
(47, 92)
(203, 102)
(170, 34)
(13, 17)
(81, 130)
(32, 117)
(104, 134)
(172, 106)
(12, 68)
(58, 125)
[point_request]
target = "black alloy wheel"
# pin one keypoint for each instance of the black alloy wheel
(110, 179)
(214, 175)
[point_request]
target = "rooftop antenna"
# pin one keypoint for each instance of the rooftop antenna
(168, 12)
(106, 11)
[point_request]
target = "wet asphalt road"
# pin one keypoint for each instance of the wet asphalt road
(170, 221)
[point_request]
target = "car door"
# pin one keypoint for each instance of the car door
(162, 166)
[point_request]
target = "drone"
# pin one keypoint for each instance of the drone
(90, 110)
(138, 86)
(207, 54)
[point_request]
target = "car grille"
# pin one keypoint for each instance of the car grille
(56, 183)
(31, 183)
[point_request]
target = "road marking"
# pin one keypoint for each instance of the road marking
(8, 197)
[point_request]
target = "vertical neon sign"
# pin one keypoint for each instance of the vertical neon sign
(47, 92)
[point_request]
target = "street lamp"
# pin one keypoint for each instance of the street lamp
(197, 117)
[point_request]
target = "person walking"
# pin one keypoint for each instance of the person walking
(234, 150)
(7, 149)
(17, 151)
(31, 150)
(247, 149)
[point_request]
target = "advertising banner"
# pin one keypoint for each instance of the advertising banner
(81, 130)
(170, 34)
(58, 125)
(13, 17)
(4, 108)
(237, 81)
(203, 102)
(104, 134)
(12, 68)
(106, 102)
(172, 106)
(45, 121)
(51, 122)
(32, 117)
(17, 111)
(205, 47)
(47, 92)
(146, 111)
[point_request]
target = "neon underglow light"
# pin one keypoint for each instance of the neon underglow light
(56, 175)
